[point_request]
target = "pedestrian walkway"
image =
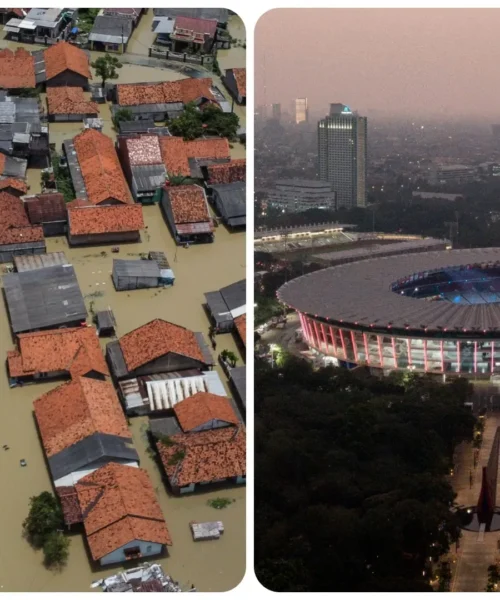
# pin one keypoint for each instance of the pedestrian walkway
(477, 550)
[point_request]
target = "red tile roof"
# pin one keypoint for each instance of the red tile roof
(203, 407)
(240, 76)
(184, 90)
(144, 150)
(2, 161)
(119, 506)
(75, 350)
(12, 212)
(93, 220)
(188, 203)
(155, 339)
(70, 506)
(45, 208)
(241, 327)
(15, 184)
(66, 57)
(76, 410)
(21, 235)
(17, 69)
(197, 26)
(78, 203)
(69, 101)
(176, 152)
(229, 172)
(101, 170)
(206, 456)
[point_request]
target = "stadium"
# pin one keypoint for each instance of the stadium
(434, 312)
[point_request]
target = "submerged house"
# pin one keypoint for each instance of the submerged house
(66, 66)
(48, 210)
(111, 33)
(58, 353)
(221, 15)
(89, 225)
(185, 208)
(135, 274)
(226, 305)
(188, 158)
(13, 186)
(193, 35)
(157, 347)
(227, 172)
(236, 82)
(39, 25)
(229, 200)
(47, 298)
(69, 104)
(210, 446)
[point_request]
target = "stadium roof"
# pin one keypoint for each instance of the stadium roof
(359, 294)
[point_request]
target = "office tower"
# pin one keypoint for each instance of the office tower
(277, 112)
(298, 195)
(342, 147)
(301, 110)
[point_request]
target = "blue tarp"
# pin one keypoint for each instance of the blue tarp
(74, 31)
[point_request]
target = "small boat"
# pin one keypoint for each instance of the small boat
(115, 249)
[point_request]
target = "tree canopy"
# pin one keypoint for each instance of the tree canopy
(45, 516)
(106, 67)
(211, 120)
(351, 489)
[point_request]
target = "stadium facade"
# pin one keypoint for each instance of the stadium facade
(435, 312)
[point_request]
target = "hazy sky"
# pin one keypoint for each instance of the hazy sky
(401, 60)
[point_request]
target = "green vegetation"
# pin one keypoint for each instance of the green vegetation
(86, 18)
(41, 528)
(178, 179)
(56, 549)
(229, 357)
(106, 67)
(29, 92)
(220, 503)
(165, 440)
(443, 574)
(194, 123)
(122, 114)
(62, 178)
(216, 68)
(351, 477)
(176, 457)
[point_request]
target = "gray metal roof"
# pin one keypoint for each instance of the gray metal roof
(163, 25)
(237, 221)
(29, 262)
(136, 268)
(45, 17)
(235, 295)
(221, 14)
(48, 297)
(75, 170)
(148, 177)
(136, 126)
(231, 199)
(91, 449)
(15, 167)
(111, 29)
(359, 294)
(238, 377)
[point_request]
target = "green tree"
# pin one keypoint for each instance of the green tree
(178, 179)
(45, 517)
(56, 549)
(220, 123)
(106, 67)
(122, 114)
(188, 125)
(229, 357)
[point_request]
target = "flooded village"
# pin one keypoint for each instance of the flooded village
(122, 321)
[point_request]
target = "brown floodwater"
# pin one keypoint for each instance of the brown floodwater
(210, 566)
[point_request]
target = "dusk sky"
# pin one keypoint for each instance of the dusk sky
(420, 61)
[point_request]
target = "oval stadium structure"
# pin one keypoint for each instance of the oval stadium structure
(434, 312)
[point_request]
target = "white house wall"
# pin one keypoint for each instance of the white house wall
(72, 478)
(118, 555)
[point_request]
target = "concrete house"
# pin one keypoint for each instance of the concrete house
(69, 104)
(157, 347)
(49, 211)
(135, 274)
(111, 33)
(39, 25)
(226, 304)
(185, 209)
(192, 35)
(88, 225)
(66, 66)
(13, 186)
(229, 200)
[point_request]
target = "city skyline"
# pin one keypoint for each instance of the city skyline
(389, 60)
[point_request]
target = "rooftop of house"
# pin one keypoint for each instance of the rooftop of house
(69, 101)
(132, 12)
(202, 408)
(3, 158)
(92, 220)
(188, 203)
(119, 505)
(75, 350)
(144, 150)
(228, 172)
(100, 167)
(203, 27)
(114, 28)
(241, 326)
(240, 76)
(64, 56)
(206, 456)
(21, 235)
(15, 184)
(76, 410)
(155, 339)
(176, 152)
(78, 203)
(184, 90)
(44, 208)
(12, 212)
(17, 69)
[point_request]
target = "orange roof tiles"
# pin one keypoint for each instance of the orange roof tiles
(93, 220)
(76, 350)
(21, 235)
(184, 90)
(155, 339)
(229, 172)
(119, 506)
(202, 408)
(241, 327)
(12, 213)
(188, 203)
(101, 170)
(78, 203)
(76, 410)
(45, 208)
(2, 162)
(144, 150)
(69, 101)
(66, 57)
(240, 76)
(15, 184)
(17, 69)
(208, 456)
(176, 152)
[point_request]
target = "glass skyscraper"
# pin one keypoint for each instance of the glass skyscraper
(342, 139)
(301, 111)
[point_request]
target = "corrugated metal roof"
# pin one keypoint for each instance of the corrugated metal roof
(39, 261)
(238, 377)
(75, 170)
(136, 268)
(221, 14)
(148, 177)
(231, 199)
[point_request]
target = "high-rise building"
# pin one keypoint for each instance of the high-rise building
(301, 110)
(342, 147)
(277, 112)
(298, 195)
